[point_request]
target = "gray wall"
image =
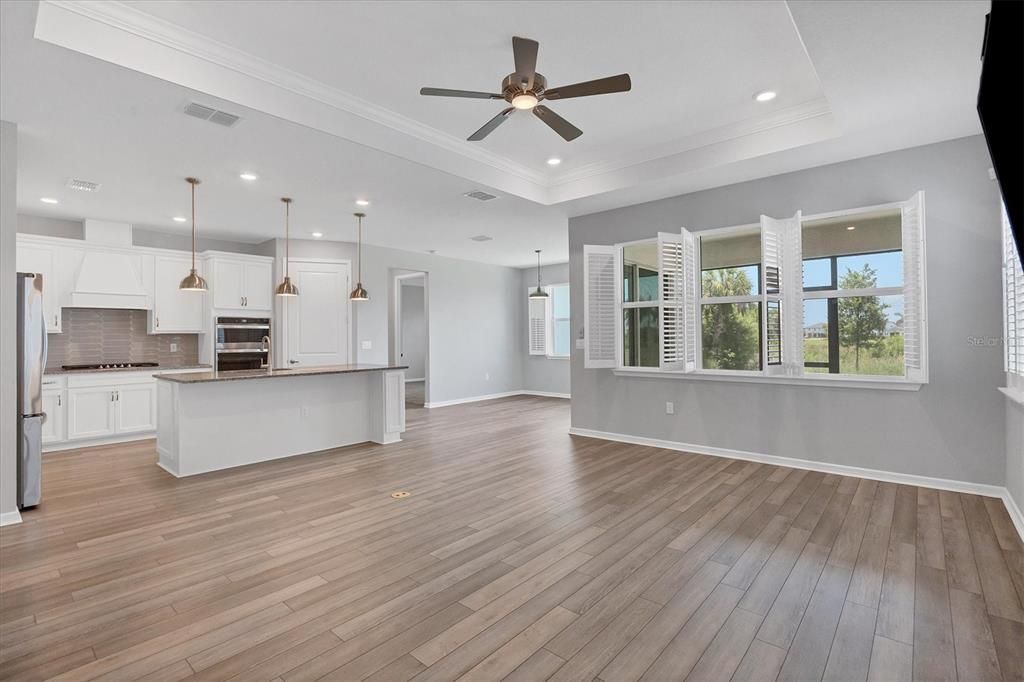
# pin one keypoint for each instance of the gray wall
(546, 375)
(8, 317)
(474, 310)
(413, 330)
(141, 235)
(952, 428)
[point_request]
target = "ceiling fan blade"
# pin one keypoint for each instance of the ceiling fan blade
(525, 52)
(489, 127)
(568, 131)
(601, 86)
(444, 92)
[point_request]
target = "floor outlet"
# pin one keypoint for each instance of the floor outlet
(670, 408)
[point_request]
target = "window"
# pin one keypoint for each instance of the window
(640, 298)
(835, 296)
(1013, 308)
(853, 294)
(548, 323)
(730, 301)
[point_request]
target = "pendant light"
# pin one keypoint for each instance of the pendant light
(193, 282)
(359, 293)
(538, 292)
(286, 288)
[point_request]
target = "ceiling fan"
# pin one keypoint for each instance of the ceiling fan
(526, 89)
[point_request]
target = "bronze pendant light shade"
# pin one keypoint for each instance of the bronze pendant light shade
(193, 281)
(538, 292)
(359, 293)
(286, 288)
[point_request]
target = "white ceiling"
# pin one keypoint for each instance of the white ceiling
(328, 92)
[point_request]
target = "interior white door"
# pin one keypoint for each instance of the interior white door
(227, 283)
(318, 329)
(135, 405)
(54, 407)
(259, 280)
(90, 412)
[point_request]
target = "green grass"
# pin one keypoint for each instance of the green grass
(885, 359)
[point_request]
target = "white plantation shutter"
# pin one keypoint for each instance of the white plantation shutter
(600, 305)
(1013, 302)
(538, 325)
(671, 280)
(782, 294)
(915, 304)
(691, 300)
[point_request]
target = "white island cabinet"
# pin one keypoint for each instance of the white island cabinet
(218, 420)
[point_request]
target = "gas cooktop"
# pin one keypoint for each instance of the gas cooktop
(112, 365)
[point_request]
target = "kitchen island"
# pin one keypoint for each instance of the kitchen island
(210, 420)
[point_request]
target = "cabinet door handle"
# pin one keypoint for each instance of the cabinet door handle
(293, 362)
(157, 322)
(54, 320)
(58, 400)
(111, 396)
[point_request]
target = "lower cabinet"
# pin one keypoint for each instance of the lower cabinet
(101, 411)
(54, 426)
(91, 412)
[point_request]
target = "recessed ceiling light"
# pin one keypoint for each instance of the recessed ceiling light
(317, 235)
(249, 176)
(179, 219)
(765, 96)
(362, 202)
(48, 200)
(851, 227)
(554, 161)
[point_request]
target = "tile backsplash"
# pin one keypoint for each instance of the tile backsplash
(93, 335)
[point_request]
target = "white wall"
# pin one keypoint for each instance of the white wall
(953, 428)
(543, 374)
(8, 321)
(1015, 452)
(413, 330)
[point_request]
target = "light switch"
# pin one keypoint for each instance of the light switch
(366, 345)
(670, 408)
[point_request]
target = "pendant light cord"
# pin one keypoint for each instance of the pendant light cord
(287, 237)
(193, 225)
(538, 269)
(360, 250)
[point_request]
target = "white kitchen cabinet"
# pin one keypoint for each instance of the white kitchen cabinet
(39, 259)
(174, 310)
(241, 284)
(135, 407)
(91, 412)
(55, 407)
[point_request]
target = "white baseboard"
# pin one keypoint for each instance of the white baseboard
(10, 518)
(93, 442)
(825, 467)
(1014, 511)
(412, 381)
(493, 396)
(547, 394)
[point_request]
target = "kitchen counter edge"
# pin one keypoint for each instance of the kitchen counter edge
(242, 375)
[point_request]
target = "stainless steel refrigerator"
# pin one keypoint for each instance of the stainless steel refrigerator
(31, 363)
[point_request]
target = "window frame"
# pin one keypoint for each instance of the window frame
(552, 319)
(622, 304)
(888, 382)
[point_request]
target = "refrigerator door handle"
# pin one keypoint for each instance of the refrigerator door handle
(45, 346)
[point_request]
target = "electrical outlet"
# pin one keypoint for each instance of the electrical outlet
(366, 345)
(670, 408)
(487, 376)
(305, 411)
(579, 344)
(174, 348)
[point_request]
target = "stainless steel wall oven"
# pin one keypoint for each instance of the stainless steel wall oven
(243, 343)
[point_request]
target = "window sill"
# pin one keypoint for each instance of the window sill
(880, 383)
(1014, 394)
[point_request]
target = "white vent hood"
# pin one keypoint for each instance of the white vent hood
(108, 278)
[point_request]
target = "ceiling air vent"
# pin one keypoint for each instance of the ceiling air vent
(481, 238)
(210, 114)
(82, 185)
(480, 195)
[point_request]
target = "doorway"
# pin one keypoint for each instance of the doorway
(410, 345)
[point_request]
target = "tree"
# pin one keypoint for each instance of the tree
(729, 331)
(862, 319)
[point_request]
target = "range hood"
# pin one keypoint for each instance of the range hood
(108, 278)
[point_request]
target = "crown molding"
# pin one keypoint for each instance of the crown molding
(130, 20)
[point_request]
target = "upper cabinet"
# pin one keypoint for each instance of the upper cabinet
(241, 283)
(175, 311)
(57, 265)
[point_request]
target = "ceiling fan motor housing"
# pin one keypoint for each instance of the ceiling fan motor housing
(512, 86)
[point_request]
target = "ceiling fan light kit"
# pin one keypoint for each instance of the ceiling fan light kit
(525, 89)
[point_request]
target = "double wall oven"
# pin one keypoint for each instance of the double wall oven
(243, 343)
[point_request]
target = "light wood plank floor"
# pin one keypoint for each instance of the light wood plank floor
(521, 553)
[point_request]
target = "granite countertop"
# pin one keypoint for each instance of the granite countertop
(241, 374)
(58, 371)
